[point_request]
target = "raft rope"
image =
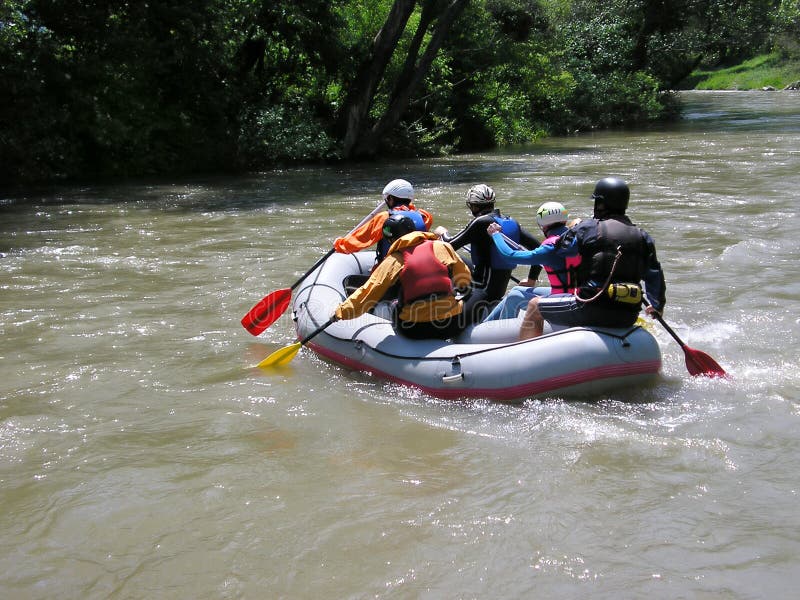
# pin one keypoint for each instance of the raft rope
(303, 305)
(604, 287)
(622, 337)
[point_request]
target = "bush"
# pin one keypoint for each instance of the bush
(276, 134)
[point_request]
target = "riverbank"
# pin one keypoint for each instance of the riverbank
(764, 71)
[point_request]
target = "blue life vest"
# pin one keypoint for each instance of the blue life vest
(510, 228)
(383, 244)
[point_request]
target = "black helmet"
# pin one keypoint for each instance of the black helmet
(397, 225)
(611, 196)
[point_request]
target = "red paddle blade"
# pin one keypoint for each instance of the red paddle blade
(700, 363)
(266, 312)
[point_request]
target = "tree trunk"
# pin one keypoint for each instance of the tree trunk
(361, 138)
(413, 74)
(362, 92)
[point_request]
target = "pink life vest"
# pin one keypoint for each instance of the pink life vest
(562, 281)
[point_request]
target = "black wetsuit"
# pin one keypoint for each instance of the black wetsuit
(490, 285)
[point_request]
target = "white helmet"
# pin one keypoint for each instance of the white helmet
(399, 188)
(551, 213)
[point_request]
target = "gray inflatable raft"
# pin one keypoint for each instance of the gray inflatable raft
(485, 361)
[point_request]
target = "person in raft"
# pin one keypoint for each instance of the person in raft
(398, 195)
(429, 272)
(552, 219)
(616, 256)
(491, 271)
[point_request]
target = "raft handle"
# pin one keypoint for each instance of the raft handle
(359, 346)
(453, 378)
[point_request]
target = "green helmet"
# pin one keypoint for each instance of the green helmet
(551, 213)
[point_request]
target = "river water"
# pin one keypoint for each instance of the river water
(142, 455)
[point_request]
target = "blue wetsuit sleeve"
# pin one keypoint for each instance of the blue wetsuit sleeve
(527, 240)
(543, 255)
(518, 256)
(531, 243)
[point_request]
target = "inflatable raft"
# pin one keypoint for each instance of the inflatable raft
(485, 361)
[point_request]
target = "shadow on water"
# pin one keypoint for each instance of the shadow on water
(706, 111)
(286, 187)
(763, 112)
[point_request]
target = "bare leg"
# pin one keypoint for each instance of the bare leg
(533, 323)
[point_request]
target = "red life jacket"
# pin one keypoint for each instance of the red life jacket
(562, 281)
(423, 274)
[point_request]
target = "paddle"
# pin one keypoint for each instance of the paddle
(512, 243)
(273, 305)
(284, 356)
(697, 362)
(515, 246)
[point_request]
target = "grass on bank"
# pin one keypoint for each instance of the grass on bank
(754, 74)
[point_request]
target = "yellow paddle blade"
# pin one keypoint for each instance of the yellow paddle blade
(644, 324)
(281, 357)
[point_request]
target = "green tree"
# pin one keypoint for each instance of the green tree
(105, 89)
(508, 85)
(362, 137)
(288, 68)
(787, 28)
(95, 88)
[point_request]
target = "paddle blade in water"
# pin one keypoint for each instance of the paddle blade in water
(700, 363)
(697, 363)
(266, 312)
(281, 357)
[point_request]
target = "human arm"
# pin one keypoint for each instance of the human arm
(527, 240)
(531, 243)
(375, 288)
(363, 237)
(459, 271)
(544, 254)
(470, 234)
(654, 283)
(528, 282)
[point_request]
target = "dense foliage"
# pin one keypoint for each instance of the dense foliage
(94, 88)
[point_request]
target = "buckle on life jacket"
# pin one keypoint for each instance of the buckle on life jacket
(629, 293)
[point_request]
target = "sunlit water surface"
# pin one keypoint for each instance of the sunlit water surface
(142, 455)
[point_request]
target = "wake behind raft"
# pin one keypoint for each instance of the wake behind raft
(486, 361)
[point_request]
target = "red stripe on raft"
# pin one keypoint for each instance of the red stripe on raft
(650, 367)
